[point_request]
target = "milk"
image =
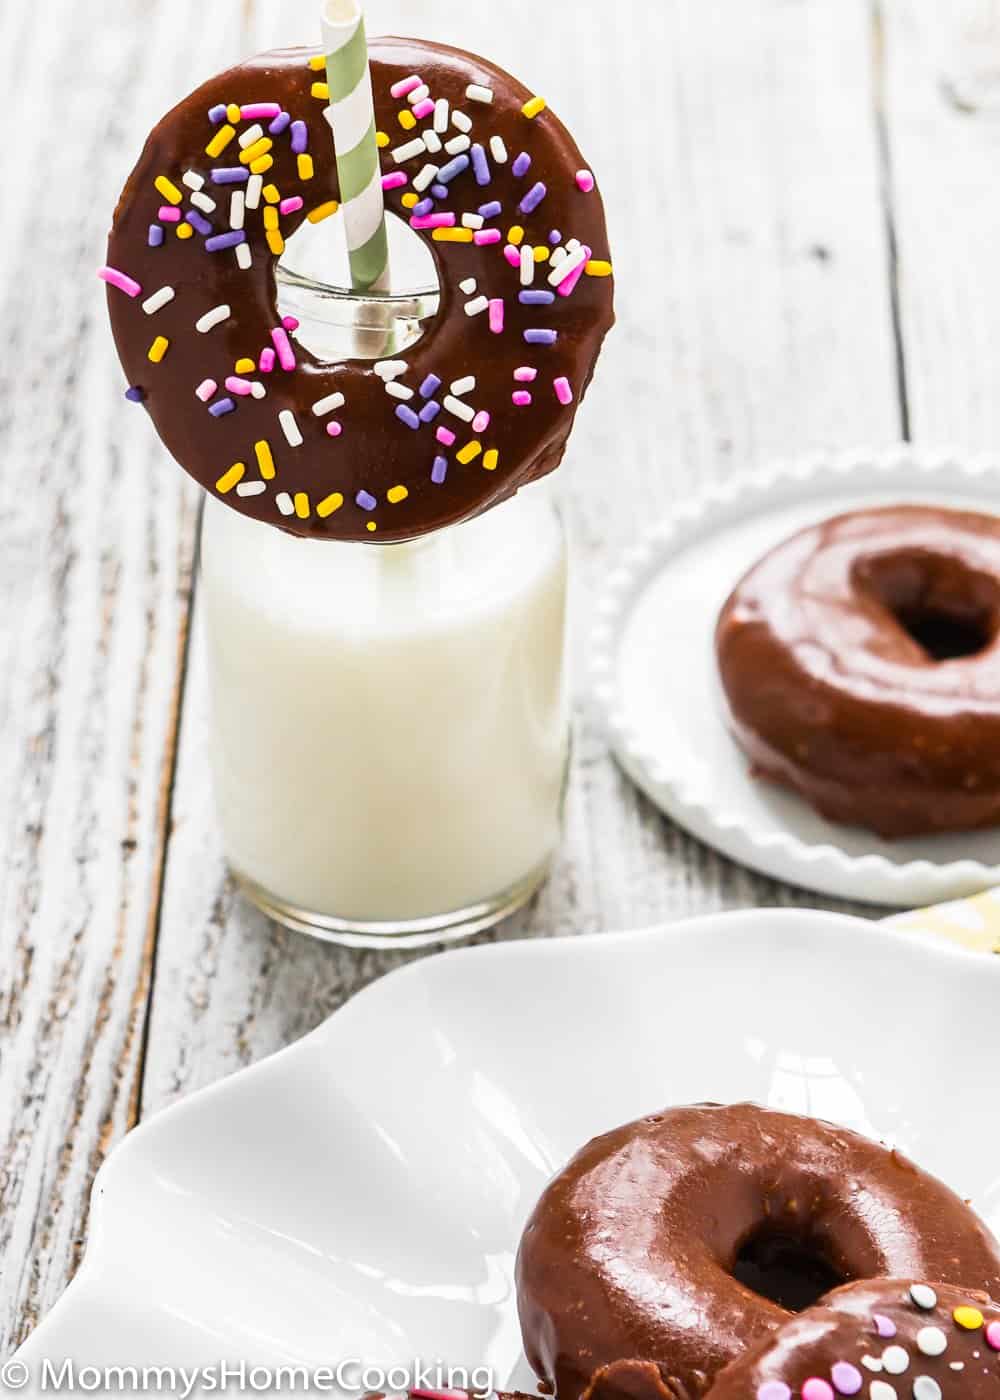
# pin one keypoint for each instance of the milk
(389, 724)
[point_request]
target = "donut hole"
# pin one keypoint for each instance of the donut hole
(335, 324)
(787, 1267)
(948, 608)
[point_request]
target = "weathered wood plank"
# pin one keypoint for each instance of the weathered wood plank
(737, 148)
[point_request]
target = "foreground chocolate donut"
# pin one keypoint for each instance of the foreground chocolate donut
(888, 1339)
(860, 663)
(668, 1247)
(483, 404)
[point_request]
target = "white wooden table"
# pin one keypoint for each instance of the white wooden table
(807, 234)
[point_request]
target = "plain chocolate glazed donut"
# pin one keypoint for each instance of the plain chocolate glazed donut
(668, 1247)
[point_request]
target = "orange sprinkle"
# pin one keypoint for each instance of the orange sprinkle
(396, 494)
(329, 504)
(262, 165)
(158, 349)
(231, 478)
(452, 235)
(302, 505)
(305, 166)
(322, 211)
(265, 460)
(321, 91)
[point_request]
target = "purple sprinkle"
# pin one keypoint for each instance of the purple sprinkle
(135, 394)
(155, 235)
(421, 210)
(555, 238)
(884, 1326)
(230, 175)
(198, 222)
(365, 500)
(406, 415)
(774, 1390)
(222, 241)
(541, 337)
(217, 114)
(539, 298)
(455, 167)
(281, 123)
(430, 411)
(491, 210)
(439, 470)
(521, 165)
(533, 198)
(224, 406)
(430, 386)
(847, 1378)
(481, 165)
(300, 138)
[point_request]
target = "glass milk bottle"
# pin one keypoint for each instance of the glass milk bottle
(389, 723)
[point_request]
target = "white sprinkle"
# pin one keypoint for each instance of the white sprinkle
(464, 386)
(252, 134)
(409, 151)
(956, 1365)
(251, 488)
(931, 1341)
(418, 94)
(206, 390)
(460, 121)
(458, 145)
(432, 141)
(926, 1388)
(290, 428)
(441, 112)
(158, 300)
(871, 1363)
(573, 245)
(237, 209)
(477, 306)
(458, 409)
(328, 405)
(475, 221)
(527, 265)
(567, 267)
(203, 202)
(193, 180)
(391, 369)
(882, 1390)
(924, 1296)
(895, 1359)
(254, 187)
(284, 503)
(475, 92)
(257, 390)
(425, 179)
(498, 150)
(212, 318)
(468, 286)
(559, 255)
(398, 391)
(244, 257)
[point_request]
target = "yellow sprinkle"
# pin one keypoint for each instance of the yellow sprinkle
(329, 504)
(321, 91)
(305, 166)
(220, 141)
(275, 242)
(231, 478)
(270, 218)
(410, 201)
(516, 236)
(245, 366)
(371, 526)
(322, 211)
(534, 108)
(302, 505)
(541, 253)
(317, 63)
(233, 113)
(969, 1318)
(397, 494)
(265, 460)
(491, 459)
(158, 349)
(596, 268)
(168, 189)
(184, 231)
(452, 235)
(381, 140)
(262, 165)
(254, 152)
(271, 193)
(469, 452)
(407, 120)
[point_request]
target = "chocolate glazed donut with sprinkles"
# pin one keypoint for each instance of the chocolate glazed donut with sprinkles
(484, 172)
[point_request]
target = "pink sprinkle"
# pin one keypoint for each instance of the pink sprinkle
(235, 385)
(334, 428)
(815, 1388)
(168, 214)
(585, 181)
(496, 316)
(433, 221)
(774, 1390)
(121, 280)
(993, 1335)
(526, 375)
(405, 86)
(481, 421)
(395, 180)
(569, 285)
(521, 398)
(292, 205)
(564, 392)
(206, 390)
(485, 236)
(423, 109)
(266, 362)
(884, 1326)
(290, 323)
(446, 437)
(512, 255)
(259, 111)
(286, 357)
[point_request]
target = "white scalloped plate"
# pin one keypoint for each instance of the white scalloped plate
(362, 1193)
(655, 678)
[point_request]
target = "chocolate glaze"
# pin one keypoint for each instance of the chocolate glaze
(376, 451)
(842, 1328)
(625, 1272)
(829, 652)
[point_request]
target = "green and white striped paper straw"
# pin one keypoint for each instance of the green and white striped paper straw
(352, 116)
